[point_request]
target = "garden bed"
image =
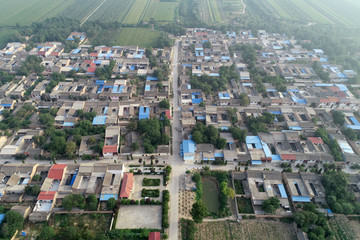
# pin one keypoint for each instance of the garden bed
(150, 192)
(151, 182)
(244, 205)
(239, 189)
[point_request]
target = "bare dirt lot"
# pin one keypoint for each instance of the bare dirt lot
(139, 216)
(246, 230)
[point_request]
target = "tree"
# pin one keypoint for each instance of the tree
(221, 143)
(271, 205)
(164, 104)
(244, 99)
(134, 146)
(202, 104)
(13, 221)
(46, 119)
(91, 141)
(238, 134)
(47, 233)
(70, 148)
(73, 200)
(33, 190)
(350, 134)
(92, 202)
(339, 117)
(198, 211)
(197, 137)
(110, 204)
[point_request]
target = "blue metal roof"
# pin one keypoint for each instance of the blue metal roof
(196, 100)
(147, 88)
(73, 179)
(295, 128)
(354, 120)
(99, 82)
(144, 113)
(219, 155)
(106, 197)
(2, 218)
(253, 140)
(99, 120)
(149, 78)
(300, 198)
(200, 117)
(188, 146)
(256, 162)
(68, 124)
(282, 191)
(275, 112)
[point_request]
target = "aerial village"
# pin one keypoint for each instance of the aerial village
(123, 130)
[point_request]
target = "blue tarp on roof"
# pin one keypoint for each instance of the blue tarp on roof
(256, 162)
(144, 113)
(225, 58)
(147, 87)
(271, 90)
(197, 100)
(300, 199)
(224, 128)
(266, 149)
(247, 84)
(282, 191)
(342, 87)
(200, 117)
(329, 211)
(187, 65)
(106, 197)
(76, 51)
(295, 128)
(354, 120)
(149, 78)
(100, 88)
(323, 59)
(73, 179)
(6, 105)
(99, 120)
(68, 124)
(118, 89)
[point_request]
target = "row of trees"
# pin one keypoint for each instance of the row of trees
(332, 143)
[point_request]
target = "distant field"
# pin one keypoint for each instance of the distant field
(25, 12)
(316, 11)
(137, 11)
(142, 37)
(232, 8)
(210, 11)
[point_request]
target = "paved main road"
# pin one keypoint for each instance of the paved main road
(176, 161)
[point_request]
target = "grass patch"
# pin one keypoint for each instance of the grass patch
(244, 205)
(150, 192)
(5, 35)
(239, 189)
(151, 182)
(141, 37)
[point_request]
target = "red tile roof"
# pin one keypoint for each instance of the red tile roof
(167, 113)
(201, 33)
(316, 140)
(94, 54)
(154, 236)
(56, 171)
(91, 70)
(126, 185)
(47, 195)
(110, 149)
(329, 100)
(288, 157)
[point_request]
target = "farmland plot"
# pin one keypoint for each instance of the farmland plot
(245, 230)
(343, 228)
(137, 11)
(209, 11)
(80, 9)
(161, 11)
(141, 37)
(112, 10)
(26, 12)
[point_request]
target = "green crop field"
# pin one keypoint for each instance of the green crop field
(137, 11)
(232, 8)
(161, 11)
(210, 11)
(112, 10)
(315, 11)
(24, 12)
(142, 37)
